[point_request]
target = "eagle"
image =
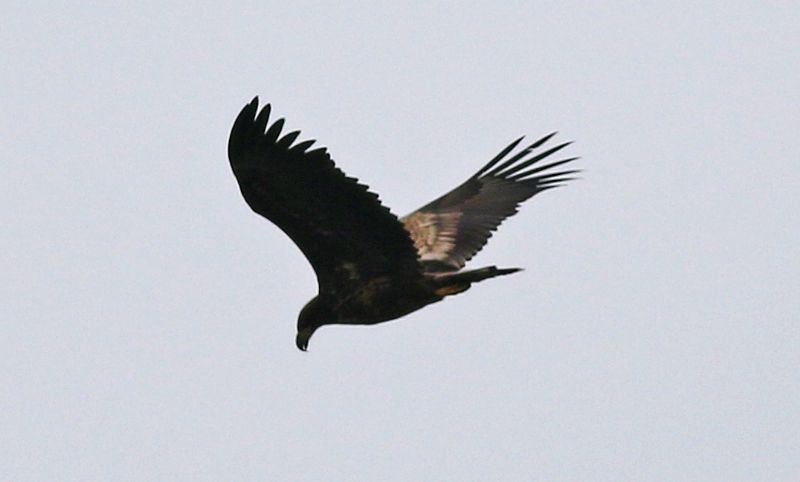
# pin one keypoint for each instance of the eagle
(372, 266)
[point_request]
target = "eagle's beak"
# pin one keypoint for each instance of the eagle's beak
(302, 338)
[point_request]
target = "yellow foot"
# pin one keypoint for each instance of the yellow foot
(452, 289)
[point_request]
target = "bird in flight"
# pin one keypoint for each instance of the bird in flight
(371, 266)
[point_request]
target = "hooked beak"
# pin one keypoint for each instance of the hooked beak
(302, 338)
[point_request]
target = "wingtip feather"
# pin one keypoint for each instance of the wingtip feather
(286, 141)
(543, 139)
(499, 157)
(301, 147)
(274, 131)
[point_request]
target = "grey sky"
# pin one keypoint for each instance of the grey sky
(147, 315)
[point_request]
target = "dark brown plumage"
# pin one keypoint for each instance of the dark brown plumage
(371, 266)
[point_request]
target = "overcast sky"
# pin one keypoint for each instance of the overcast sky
(147, 316)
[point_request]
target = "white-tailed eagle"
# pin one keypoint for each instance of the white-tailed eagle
(371, 266)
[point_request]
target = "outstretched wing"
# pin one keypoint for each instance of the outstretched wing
(449, 231)
(340, 226)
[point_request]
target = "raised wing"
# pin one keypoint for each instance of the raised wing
(449, 231)
(340, 226)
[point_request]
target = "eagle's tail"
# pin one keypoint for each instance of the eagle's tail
(454, 283)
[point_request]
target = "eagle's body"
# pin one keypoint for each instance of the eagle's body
(371, 266)
(377, 300)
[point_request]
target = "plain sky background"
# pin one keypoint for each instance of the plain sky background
(148, 316)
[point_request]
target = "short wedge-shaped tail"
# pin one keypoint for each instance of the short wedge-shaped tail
(474, 275)
(454, 283)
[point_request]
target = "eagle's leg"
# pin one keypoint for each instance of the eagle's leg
(454, 283)
(452, 289)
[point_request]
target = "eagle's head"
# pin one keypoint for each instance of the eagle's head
(315, 314)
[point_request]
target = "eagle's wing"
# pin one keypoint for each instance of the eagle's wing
(449, 231)
(340, 226)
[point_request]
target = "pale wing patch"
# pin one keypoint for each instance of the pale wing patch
(450, 230)
(434, 234)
